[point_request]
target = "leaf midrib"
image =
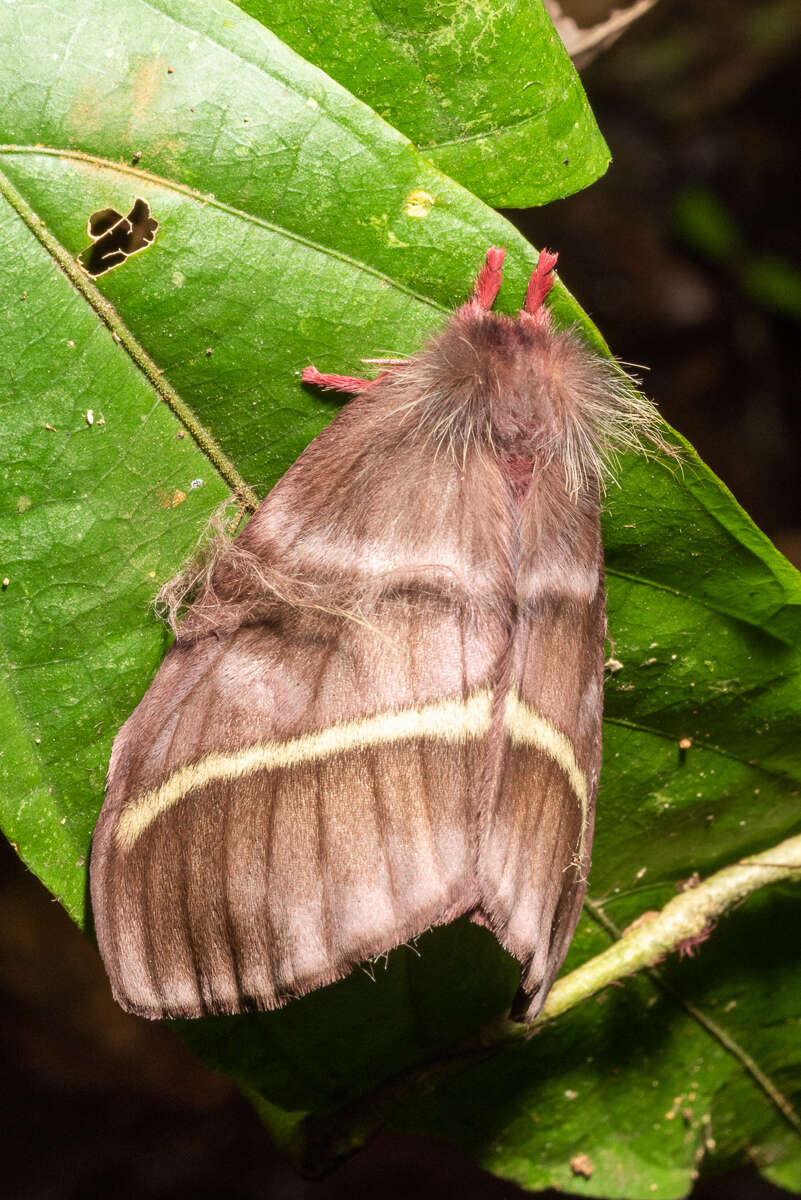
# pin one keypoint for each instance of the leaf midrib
(109, 315)
(210, 201)
(493, 130)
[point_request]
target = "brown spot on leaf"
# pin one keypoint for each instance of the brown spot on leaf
(147, 84)
(170, 499)
(582, 1164)
(87, 111)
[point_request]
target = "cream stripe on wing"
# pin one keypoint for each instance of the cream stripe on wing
(526, 727)
(448, 720)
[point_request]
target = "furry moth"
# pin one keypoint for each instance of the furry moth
(383, 707)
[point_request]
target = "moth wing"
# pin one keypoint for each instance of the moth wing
(297, 794)
(536, 834)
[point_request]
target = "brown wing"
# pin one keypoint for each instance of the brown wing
(298, 792)
(538, 813)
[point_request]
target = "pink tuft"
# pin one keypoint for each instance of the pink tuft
(489, 278)
(336, 383)
(540, 284)
(688, 946)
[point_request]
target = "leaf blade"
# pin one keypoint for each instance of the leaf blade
(486, 91)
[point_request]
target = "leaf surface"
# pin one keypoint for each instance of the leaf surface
(486, 91)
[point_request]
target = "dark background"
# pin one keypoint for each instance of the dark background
(687, 254)
(688, 257)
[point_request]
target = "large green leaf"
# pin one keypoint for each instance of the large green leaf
(638, 1079)
(309, 239)
(486, 91)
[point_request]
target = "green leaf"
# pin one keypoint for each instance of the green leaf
(301, 234)
(639, 1080)
(486, 91)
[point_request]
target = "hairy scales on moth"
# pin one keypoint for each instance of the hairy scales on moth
(382, 709)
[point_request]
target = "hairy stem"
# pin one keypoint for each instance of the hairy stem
(687, 916)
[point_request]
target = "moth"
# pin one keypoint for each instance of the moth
(382, 709)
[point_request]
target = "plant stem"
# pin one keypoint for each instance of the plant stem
(685, 917)
(319, 1141)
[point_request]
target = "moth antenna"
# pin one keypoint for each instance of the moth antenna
(539, 286)
(489, 279)
(336, 383)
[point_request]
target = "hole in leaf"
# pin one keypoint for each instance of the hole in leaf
(115, 237)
